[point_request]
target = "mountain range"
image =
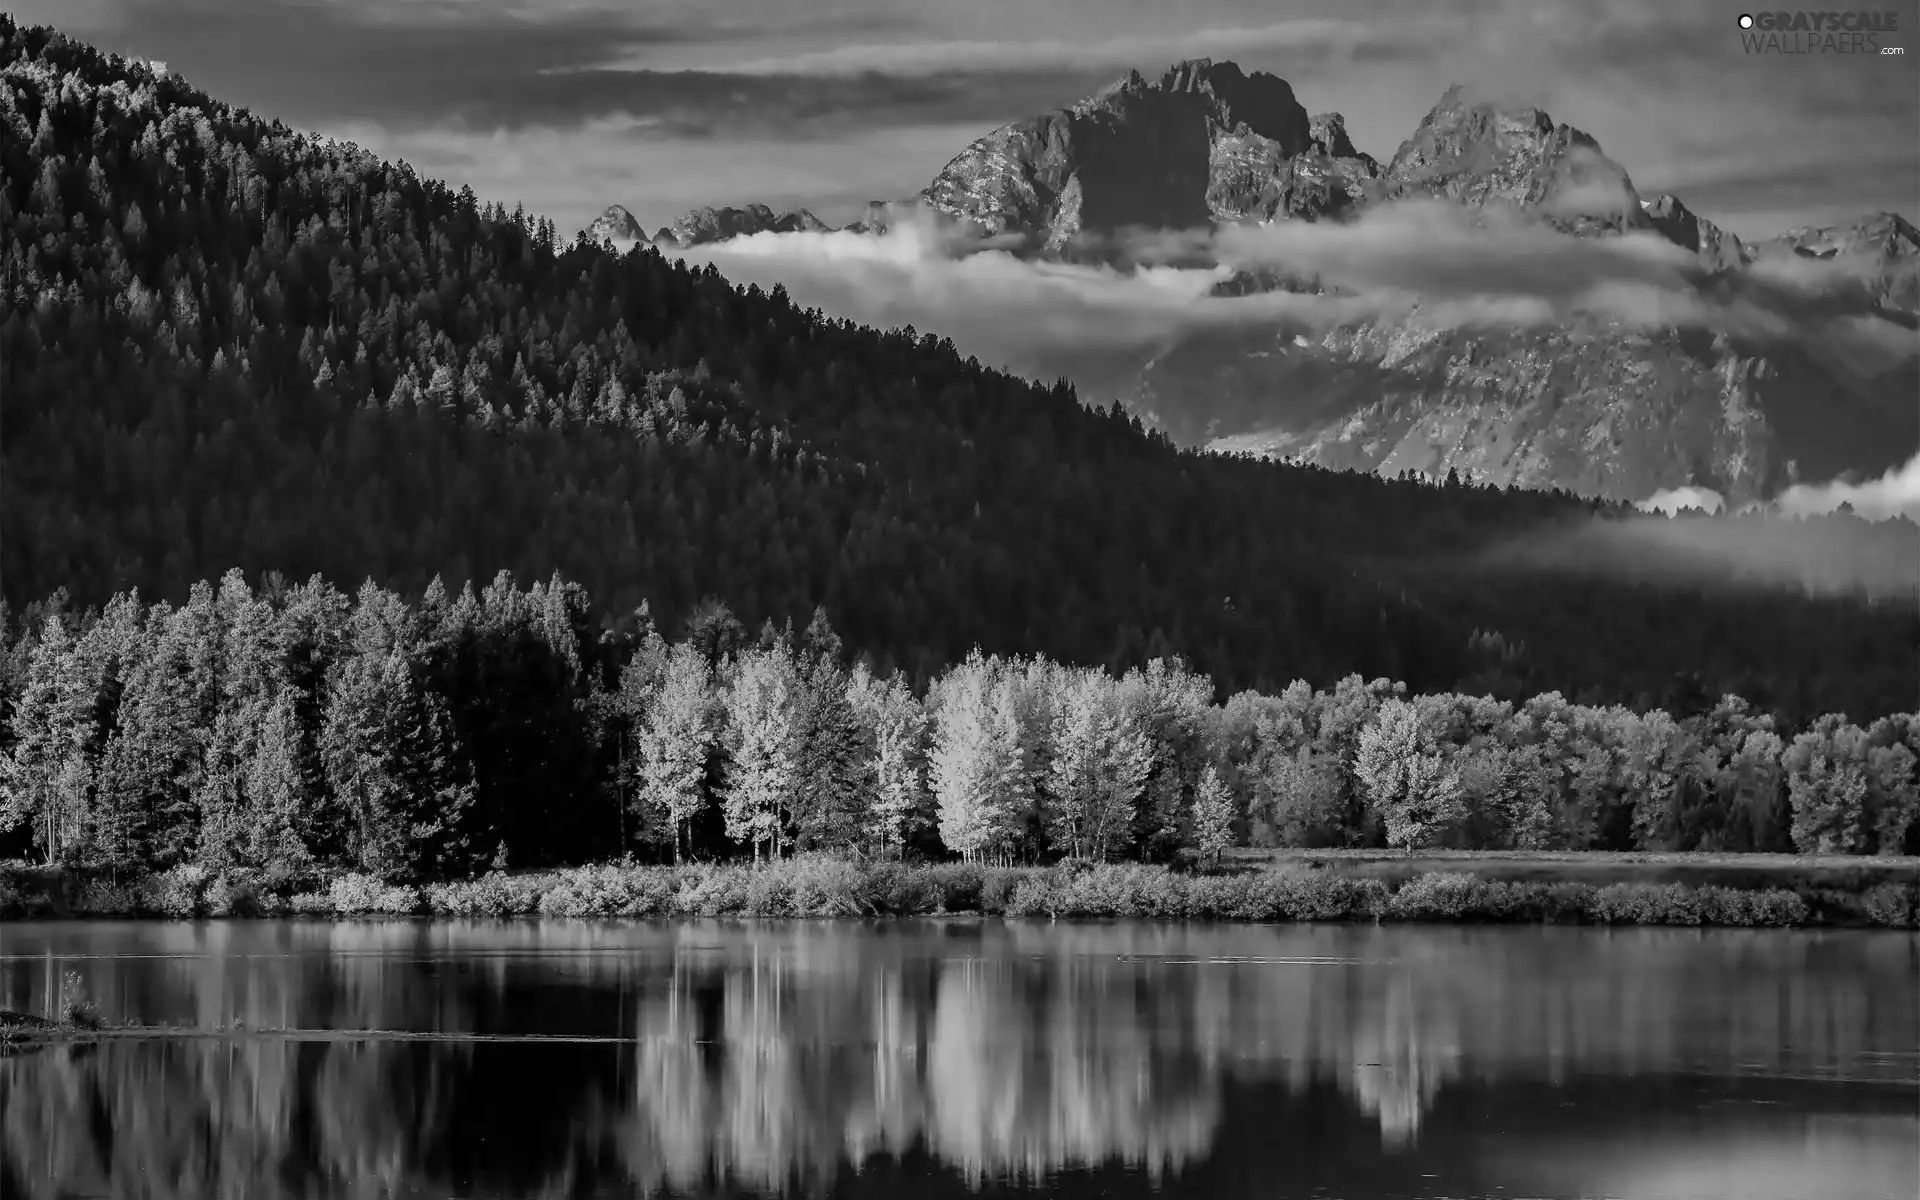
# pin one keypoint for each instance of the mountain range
(1737, 367)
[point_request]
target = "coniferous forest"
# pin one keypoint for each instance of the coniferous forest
(853, 590)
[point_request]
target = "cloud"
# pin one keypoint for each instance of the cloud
(1819, 555)
(571, 174)
(1897, 493)
(1673, 501)
(1425, 262)
(1145, 51)
(480, 67)
(1457, 265)
(1004, 309)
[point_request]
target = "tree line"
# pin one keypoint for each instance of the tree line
(226, 343)
(293, 728)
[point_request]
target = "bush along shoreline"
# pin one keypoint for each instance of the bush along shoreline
(840, 888)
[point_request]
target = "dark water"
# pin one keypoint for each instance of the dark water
(927, 1059)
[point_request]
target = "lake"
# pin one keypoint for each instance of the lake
(948, 1058)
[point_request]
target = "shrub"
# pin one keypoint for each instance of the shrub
(492, 895)
(1646, 904)
(609, 891)
(306, 904)
(710, 891)
(962, 887)
(898, 890)
(818, 886)
(1034, 896)
(1436, 896)
(356, 894)
(1888, 904)
(241, 894)
(175, 892)
(111, 898)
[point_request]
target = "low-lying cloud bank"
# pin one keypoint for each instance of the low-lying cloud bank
(1430, 263)
(1420, 263)
(1804, 547)
(1895, 494)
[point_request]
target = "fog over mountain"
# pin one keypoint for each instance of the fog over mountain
(1495, 298)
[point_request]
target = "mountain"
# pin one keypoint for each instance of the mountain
(615, 225)
(702, 225)
(1589, 402)
(1887, 243)
(1202, 143)
(364, 374)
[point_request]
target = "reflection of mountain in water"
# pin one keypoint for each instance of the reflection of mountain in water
(782, 1057)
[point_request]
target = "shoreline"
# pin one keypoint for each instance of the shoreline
(1737, 891)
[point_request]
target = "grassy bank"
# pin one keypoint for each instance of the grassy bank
(1622, 890)
(1844, 872)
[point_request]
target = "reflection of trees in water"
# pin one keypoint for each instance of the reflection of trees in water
(772, 1055)
(998, 1067)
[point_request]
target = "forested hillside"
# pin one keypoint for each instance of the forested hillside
(227, 344)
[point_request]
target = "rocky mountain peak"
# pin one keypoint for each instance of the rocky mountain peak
(1484, 151)
(1716, 249)
(1204, 142)
(699, 226)
(1329, 134)
(1885, 246)
(615, 224)
(1261, 103)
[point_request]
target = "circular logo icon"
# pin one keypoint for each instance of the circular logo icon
(1746, 21)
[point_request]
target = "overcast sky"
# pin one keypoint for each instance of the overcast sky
(661, 105)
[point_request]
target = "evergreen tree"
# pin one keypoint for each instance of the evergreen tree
(828, 797)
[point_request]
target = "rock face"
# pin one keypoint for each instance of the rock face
(1716, 249)
(1482, 153)
(1204, 142)
(615, 225)
(699, 226)
(1589, 405)
(1885, 246)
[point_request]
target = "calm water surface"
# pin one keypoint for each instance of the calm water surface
(936, 1059)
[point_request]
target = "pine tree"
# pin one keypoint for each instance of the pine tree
(153, 775)
(395, 767)
(279, 803)
(47, 774)
(828, 789)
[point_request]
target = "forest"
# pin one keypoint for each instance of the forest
(234, 355)
(229, 344)
(293, 729)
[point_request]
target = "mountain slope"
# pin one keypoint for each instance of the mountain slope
(228, 344)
